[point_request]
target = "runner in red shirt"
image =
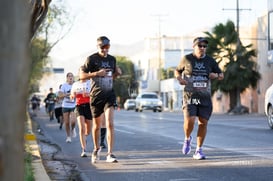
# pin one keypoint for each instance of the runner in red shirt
(81, 90)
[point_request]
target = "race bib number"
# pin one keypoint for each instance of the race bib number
(200, 84)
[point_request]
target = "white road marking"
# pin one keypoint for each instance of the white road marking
(123, 131)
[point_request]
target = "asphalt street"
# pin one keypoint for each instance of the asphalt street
(148, 148)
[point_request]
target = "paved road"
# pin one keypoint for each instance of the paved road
(148, 147)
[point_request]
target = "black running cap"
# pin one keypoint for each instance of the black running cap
(103, 40)
(199, 40)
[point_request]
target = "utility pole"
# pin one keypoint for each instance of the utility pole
(159, 19)
(237, 18)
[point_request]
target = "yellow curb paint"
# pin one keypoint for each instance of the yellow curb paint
(30, 137)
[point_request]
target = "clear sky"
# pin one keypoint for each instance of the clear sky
(129, 21)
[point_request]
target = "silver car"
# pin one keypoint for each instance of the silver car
(129, 104)
(148, 101)
(268, 103)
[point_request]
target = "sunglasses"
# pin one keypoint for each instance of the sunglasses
(202, 46)
(105, 47)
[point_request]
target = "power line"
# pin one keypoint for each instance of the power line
(237, 16)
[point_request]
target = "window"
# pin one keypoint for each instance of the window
(149, 96)
(270, 30)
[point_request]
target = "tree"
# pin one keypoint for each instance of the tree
(54, 29)
(37, 64)
(167, 73)
(48, 35)
(170, 72)
(19, 20)
(237, 60)
(125, 85)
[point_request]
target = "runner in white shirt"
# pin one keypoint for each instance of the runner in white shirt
(68, 107)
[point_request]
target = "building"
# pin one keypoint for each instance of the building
(166, 52)
(264, 43)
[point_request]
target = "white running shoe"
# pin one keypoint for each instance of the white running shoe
(68, 140)
(110, 158)
(74, 133)
(199, 155)
(95, 156)
(83, 154)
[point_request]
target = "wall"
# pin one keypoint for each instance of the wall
(265, 68)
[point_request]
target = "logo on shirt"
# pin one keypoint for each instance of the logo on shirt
(105, 65)
(199, 65)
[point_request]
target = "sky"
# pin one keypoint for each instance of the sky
(127, 21)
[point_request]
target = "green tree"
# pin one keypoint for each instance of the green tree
(163, 73)
(125, 85)
(37, 64)
(167, 73)
(55, 26)
(49, 34)
(237, 61)
(170, 72)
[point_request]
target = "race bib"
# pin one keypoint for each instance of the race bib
(200, 84)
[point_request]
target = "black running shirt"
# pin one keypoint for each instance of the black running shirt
(94, 63)
(196, 72)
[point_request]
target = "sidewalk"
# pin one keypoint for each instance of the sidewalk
(40, 173)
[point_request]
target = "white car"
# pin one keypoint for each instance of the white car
(268, 103)
(129, 104)
(148, 101)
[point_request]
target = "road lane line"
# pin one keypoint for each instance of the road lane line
(123, 131)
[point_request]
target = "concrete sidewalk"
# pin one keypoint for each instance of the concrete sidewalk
(40, 173)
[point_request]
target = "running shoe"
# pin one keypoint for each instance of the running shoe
(74, 134)
(68, 140)
(187, 146)
(199, 155)
(110, 158)
(95, 156)
(83, 154)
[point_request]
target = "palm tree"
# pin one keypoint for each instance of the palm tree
(237, 62)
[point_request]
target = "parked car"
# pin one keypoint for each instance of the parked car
(129, 104)
(268, 103)
(148, 101)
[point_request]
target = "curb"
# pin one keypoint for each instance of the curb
(37, 163)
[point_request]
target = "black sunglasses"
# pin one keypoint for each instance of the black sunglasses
(105, 47)
(204, 46)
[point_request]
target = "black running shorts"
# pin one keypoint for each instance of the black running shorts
(84, 110)
(101, 101)
(198, 110)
